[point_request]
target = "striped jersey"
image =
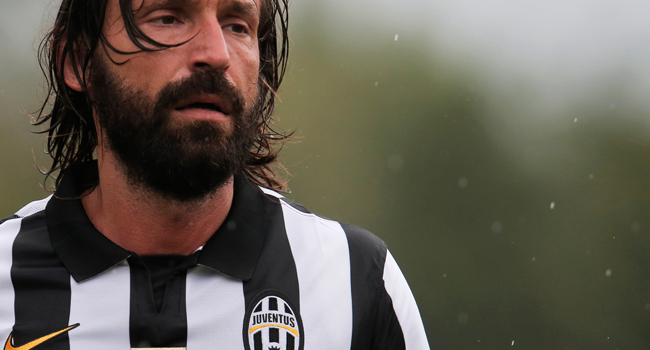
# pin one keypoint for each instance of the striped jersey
(273, 277)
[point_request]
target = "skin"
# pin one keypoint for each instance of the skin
(224, 36)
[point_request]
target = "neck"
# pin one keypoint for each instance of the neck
(143, 222)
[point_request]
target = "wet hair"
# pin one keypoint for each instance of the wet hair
(77, 35)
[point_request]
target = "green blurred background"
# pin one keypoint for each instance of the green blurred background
(500, 148)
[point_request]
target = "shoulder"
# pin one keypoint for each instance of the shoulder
(28, 210)
(366, 251)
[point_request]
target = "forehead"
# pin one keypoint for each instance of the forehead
(245, 6)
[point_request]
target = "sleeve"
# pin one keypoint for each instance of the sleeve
(385, 316)
(404, 308)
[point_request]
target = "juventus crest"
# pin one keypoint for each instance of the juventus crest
(273, 324)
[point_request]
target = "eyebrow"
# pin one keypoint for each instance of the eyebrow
(242, 8)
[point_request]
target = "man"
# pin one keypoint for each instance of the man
(165, 230)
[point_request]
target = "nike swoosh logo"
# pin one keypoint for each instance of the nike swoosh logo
(39, 341)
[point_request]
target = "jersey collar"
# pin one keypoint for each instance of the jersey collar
(234, 249)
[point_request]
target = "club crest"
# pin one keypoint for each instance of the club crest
(273, 324)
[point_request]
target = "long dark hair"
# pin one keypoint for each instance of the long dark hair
(77, 34)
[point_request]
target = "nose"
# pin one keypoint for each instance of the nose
(209, 48)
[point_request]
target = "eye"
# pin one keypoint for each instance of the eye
(237, 28)
(166, 20)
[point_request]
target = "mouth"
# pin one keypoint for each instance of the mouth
(201, 105)
(205, 105)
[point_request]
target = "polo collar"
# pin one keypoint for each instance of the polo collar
(234, 249)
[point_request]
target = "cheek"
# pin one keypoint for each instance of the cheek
(146, 71)
(248, 73)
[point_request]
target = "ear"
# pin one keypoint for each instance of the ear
(68, 69)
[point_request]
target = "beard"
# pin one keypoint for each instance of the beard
(178, 159)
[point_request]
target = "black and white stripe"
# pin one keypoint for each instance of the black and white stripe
(340, 281)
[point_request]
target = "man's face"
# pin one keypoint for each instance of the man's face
(181, 120)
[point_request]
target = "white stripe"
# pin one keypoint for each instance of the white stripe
(404, 305)
(101, 306)
(33, 207)
(320, 250)
(8, 232)
(271, 192)
(215, 310)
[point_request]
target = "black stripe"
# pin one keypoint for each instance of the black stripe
(276, 270)
(287, 309)
(257, 338)
(273, 304)
(147, 326)
(274, 335)
(374, 323)
(291, 342)
(388, 333)
(41, 284)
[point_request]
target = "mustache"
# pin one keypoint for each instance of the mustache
(203, 81)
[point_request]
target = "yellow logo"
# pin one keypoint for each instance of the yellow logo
(39, 341)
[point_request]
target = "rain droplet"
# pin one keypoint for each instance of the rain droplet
(612, 106)
(462, 182)
(444, 275)
(497, 227)
(396, 37)
(463, 317)
(591, 176)
(647, 306)
(575, 120)
(636, 227)
(608, 273)
(533, 258)
(552, 205)
(376, 83)
(513, 343)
